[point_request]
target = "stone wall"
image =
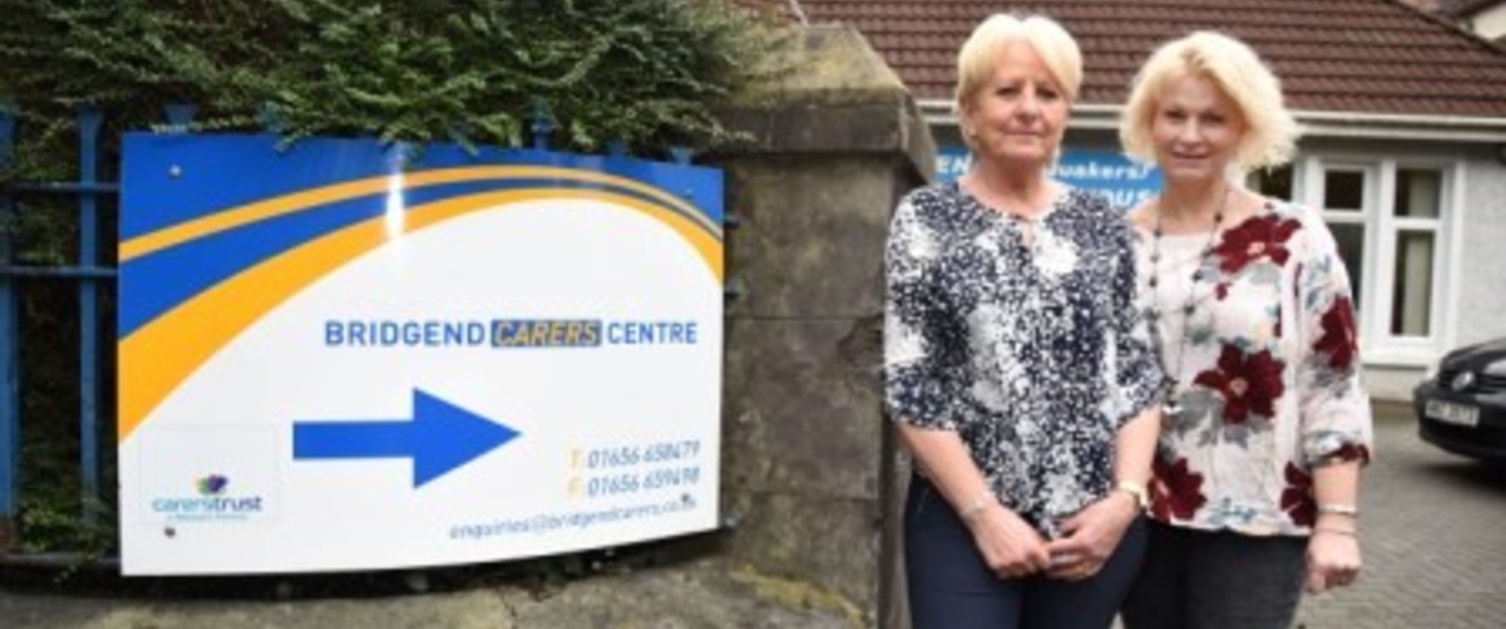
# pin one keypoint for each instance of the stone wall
(809, 468)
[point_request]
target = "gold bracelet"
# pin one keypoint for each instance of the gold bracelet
(1339, 508)
(1329, 529)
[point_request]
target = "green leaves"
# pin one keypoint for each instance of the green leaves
(641, 71)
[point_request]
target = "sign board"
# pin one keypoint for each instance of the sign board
(1125, 182)
(340, 357)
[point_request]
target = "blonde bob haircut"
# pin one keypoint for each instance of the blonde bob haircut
(1270, 134)
(979, 56)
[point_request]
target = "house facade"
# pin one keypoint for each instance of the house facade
(1403, 150)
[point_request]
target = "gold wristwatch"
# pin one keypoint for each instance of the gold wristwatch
(1136, 491)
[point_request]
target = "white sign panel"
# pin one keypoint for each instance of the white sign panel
(331, 363)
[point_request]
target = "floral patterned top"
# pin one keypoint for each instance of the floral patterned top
(1033, 352)
(1267, 371)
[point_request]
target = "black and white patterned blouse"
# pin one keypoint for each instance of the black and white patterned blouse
(1033, 352)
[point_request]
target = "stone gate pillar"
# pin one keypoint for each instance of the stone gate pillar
(809, 464)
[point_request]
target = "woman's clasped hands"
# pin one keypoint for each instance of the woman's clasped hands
(1013, 549)
(1009, 545)
(1090, 537)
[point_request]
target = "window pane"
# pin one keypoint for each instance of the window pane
(1411, 301)
(1351, 240)
(1275, 182)
(1344, 190)
(1418, 192)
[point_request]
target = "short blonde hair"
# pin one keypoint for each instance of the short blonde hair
(1270, 134)
(979, 56)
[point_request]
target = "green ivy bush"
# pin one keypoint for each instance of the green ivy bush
(643, 72)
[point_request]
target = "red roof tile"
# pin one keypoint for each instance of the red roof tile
(1375, 56)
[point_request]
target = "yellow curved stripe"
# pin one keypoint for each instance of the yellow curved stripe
(209, 225)
(160, 355)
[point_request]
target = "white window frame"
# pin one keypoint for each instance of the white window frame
(1382, 227)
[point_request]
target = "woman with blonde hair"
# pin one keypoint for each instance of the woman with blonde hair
(1018, 372)
(1265, 426)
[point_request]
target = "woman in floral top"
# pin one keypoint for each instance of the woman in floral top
(1265, 425)
(1019, 372)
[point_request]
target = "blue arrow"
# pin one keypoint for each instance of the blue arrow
(439, 438)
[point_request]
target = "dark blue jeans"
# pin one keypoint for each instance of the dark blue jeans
(952, 588)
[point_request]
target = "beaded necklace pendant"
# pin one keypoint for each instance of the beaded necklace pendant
(1170, 404)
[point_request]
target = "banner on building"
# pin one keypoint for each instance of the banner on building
(1125, 182)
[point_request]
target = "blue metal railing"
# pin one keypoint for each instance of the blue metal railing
(10, 363)
(89, 121)
(89, 276)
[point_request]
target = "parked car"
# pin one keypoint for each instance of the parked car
(1462, 407)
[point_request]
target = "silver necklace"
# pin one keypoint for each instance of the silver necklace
(1170, 406)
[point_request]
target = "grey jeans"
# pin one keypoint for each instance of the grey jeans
(1216, 580)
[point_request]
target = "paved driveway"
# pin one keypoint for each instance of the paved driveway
(1434, 539)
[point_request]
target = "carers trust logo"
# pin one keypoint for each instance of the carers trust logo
(212, 485)
(211, 501)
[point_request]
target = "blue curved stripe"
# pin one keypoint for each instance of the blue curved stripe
(205, 174)
(162, 280)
